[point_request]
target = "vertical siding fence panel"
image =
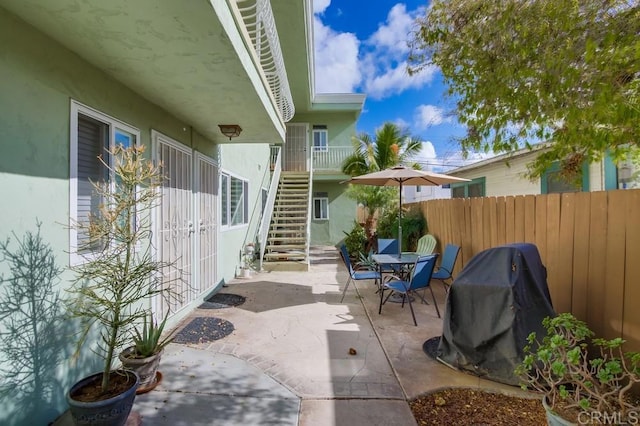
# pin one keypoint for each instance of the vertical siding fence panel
(467, 246)
(510, 223)
(553, 251)
(437, 219)
(477, 239)
(614, 263)
(458, 236)
(581, 243)
(486, 221)
(493, 220)
(530, 219)
(501, 214)
(426, 208)
(597, 245)
(564, 254)
(631, 313)
(518, 218)
(449, 224)
(541, 226)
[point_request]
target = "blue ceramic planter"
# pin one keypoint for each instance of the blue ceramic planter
(110, 412)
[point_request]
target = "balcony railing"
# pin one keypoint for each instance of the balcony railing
(330, 158)
(258, 20)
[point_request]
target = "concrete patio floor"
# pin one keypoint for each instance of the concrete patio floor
(288, 361)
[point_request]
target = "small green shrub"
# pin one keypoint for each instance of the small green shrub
(561, 366)
(355, 240)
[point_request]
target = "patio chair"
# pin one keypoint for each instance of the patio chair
(444, 272)
(388, 246)
(426, 244)
(419, 279)
(356, 274)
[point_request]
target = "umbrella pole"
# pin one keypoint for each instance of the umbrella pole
(400, 224)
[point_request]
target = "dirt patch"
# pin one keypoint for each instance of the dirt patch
(475, 407)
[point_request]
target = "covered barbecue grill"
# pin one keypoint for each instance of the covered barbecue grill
(496, 301)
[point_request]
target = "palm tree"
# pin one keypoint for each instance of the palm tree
(392, 146)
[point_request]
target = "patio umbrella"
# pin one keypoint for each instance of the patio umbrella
(399, 176)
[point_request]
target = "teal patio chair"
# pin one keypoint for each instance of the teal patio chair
(426, 244)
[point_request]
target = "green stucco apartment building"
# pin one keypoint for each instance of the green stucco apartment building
(79, 77)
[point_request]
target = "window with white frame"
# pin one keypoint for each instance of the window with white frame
(320, 138)
(93, 135)
(320, 206)
(234, 200)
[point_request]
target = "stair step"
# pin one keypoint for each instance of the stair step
(285, 231)
(285, 240)
(284, 247)
(288, 256)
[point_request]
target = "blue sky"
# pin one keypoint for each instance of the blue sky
(362, 47)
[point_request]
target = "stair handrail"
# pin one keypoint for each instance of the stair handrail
(309, 214)
(265, 222)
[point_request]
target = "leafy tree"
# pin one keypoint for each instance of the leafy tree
(522, 71)
(391, 146)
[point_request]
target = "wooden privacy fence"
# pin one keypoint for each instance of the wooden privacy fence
(588, 241)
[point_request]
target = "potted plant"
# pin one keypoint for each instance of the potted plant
(144, 356)
(577, 387)
(247, 261)
(114, 282)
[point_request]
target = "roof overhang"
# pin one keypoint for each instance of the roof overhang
(500, 158)
(188, 57)
(339, 102)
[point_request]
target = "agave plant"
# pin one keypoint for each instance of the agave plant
(149, 341)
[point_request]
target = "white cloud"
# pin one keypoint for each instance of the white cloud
(454, 159)
(392, 80)
(376, 67)
(337, 69)
(401, 123)
(427, 155)
(395, 33)
(319, 6)
(430, 115)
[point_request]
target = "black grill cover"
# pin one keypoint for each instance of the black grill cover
(496, 301)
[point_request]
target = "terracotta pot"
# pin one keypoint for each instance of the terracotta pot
(145, 368)
(552, 418)
(109, 412)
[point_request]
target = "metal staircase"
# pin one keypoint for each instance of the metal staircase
(287, 247)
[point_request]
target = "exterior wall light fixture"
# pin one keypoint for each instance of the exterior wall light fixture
(230, 130)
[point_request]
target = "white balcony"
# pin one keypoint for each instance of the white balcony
(260, 24)
(330, 159)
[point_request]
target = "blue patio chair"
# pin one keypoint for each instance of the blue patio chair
(388, 246)
(356, 274)
(445, 271)
(419, 279)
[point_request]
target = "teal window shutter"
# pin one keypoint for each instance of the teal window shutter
(610, 173)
